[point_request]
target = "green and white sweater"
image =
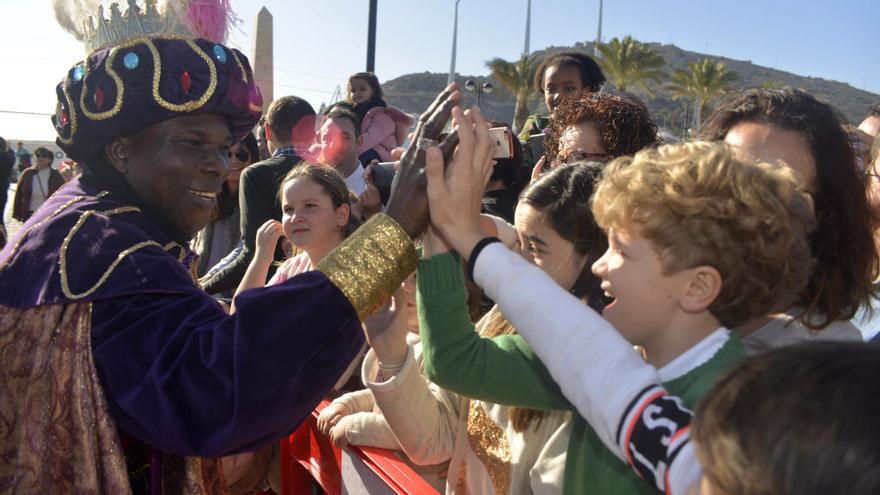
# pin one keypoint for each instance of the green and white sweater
(506, 370)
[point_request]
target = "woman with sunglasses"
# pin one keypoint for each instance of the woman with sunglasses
(222, 235)
(35, 185)
(596, 127)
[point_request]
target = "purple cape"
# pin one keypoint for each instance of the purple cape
(178, 372)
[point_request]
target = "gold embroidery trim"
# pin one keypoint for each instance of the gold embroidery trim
(371, 264)
(120, 89)
(54, 214)
(65, 282)
(489, 443)
(65, 286)
(157, 75)
(240, 66)
(71, 114)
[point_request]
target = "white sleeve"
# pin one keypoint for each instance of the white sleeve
(597, 369)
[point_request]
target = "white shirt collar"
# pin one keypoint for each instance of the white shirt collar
(355, 181)
(703, 351)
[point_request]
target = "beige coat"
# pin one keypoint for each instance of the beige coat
(485, 454)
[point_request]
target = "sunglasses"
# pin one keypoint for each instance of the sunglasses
(44, 156)
(241, 155)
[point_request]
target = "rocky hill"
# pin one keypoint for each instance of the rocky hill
(413, 92)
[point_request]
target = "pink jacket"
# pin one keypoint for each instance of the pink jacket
(383, 129)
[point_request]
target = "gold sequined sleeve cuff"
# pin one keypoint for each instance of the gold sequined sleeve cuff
(371, 264)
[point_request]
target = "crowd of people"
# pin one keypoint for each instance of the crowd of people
(599, 311)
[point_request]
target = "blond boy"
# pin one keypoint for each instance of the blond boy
(698, 242)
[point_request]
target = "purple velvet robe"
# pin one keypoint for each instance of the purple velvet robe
(178, 372)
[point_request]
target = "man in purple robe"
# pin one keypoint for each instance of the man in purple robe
(118, 374)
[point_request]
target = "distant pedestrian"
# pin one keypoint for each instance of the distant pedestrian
(23, 155)
(35, 185)
(7, 162)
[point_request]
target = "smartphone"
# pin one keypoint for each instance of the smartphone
(502, 140)
(536, 145)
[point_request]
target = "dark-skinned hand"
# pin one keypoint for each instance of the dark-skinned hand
(408, 203)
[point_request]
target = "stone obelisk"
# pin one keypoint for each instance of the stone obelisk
(261, 56)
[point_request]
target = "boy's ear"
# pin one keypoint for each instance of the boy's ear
(704, 285)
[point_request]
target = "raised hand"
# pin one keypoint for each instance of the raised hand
(267, 238)
(538, 169)
(454, 194)
(408, 204)
(386, 331)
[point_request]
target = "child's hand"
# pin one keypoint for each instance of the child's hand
(337, 436)
(386, 331)
(331, 415)
(538, 168)
(267, 238)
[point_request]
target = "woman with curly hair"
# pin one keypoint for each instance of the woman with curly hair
(598, 127)
(792, 127)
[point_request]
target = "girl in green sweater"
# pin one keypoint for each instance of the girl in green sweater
(492, 448)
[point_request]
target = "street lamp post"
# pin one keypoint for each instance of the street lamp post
(528, 27)
(599, 32)
(485, 87)
(371, 37)
(454, 40)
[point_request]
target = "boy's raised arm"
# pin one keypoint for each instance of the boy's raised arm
(611, 386)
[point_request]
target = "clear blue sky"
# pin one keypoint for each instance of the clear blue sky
(319, 42)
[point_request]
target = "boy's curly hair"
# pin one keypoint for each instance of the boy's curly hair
(698, 205)
(623, 123)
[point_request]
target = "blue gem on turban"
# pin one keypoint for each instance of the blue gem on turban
(131, 60)
(78, 72)
(220, 53)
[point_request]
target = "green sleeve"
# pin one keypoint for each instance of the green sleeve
(500, 370)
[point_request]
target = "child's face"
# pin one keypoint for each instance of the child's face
(645, 300)
(360, 91)
(544, 247)
(309, 218)
(560, 82)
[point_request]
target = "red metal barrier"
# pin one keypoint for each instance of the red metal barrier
(307, 455)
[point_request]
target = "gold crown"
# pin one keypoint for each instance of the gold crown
(101, 32)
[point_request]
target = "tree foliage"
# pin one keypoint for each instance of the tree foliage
(628, 62)
(517, 78)
(702, 82)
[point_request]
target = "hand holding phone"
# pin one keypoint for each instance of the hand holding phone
(502, 140)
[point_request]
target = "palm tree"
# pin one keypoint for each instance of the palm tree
(628, 62)
(517, 78)
(703, 81)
